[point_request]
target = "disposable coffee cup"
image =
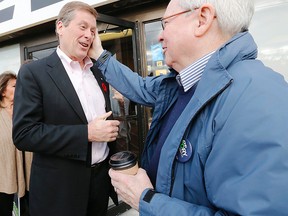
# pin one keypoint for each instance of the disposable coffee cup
(124, 162)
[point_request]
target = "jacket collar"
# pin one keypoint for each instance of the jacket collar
(216, 76)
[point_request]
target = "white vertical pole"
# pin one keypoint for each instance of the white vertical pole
(19, 206)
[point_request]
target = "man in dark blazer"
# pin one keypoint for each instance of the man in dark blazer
(62, 114)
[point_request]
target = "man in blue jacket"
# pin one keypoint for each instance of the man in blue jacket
(218, 142)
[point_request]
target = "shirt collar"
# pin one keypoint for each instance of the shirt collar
(88, 62)
(192, 74)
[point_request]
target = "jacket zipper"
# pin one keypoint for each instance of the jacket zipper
(174, 162)
(172, 177)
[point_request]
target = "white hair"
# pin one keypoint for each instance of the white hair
(233, 16)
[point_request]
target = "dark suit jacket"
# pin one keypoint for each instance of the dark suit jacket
(49, 120)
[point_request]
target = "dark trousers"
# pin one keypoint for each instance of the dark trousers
(24, 204)
(99, 190)
(6, 204)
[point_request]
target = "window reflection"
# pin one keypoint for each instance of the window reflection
(42, 53)
(154, 55)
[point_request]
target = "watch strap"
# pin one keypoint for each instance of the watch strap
(103, 57)
(149, 195)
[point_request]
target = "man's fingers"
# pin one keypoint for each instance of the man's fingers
(105, 116)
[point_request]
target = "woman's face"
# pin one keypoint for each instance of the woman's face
(8, 94)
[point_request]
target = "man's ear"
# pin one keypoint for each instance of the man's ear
(206, 17)
(59, 27)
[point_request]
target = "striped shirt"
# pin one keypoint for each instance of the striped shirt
(192, 74)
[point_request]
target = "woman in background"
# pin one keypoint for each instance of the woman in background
(12, 179)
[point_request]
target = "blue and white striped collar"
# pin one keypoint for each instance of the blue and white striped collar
(192, 74)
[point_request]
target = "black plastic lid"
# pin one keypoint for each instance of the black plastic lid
(123, 160)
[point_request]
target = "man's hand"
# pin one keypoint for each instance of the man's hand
(96, 48)
(130, 187)
(117, 96)
(102, 130)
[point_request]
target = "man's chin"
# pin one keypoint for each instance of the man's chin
(168, 63)
(81, 56)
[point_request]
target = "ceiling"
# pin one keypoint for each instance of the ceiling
(126, 5)
(112, 9)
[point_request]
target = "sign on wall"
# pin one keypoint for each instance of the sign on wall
(16, 15)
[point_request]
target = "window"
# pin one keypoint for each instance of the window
(155, 58)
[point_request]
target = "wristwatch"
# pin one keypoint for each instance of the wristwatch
(149, 195)
(104, 56)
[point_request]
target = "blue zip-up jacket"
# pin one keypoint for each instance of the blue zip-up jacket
(237, 124)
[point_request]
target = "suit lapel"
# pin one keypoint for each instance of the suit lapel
(104, 86)
(60, 77)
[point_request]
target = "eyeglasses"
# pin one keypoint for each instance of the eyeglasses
(163, 23)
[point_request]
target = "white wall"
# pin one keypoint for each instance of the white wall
(270, 31)
(10, 58)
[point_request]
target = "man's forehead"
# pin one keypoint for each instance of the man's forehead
(173, 7)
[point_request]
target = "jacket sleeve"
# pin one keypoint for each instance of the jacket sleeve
(138, 89)
(161, 204)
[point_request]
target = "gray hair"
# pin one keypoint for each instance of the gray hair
(233, 16)
(67, 12)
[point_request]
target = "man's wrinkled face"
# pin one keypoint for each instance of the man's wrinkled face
(177, 35)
